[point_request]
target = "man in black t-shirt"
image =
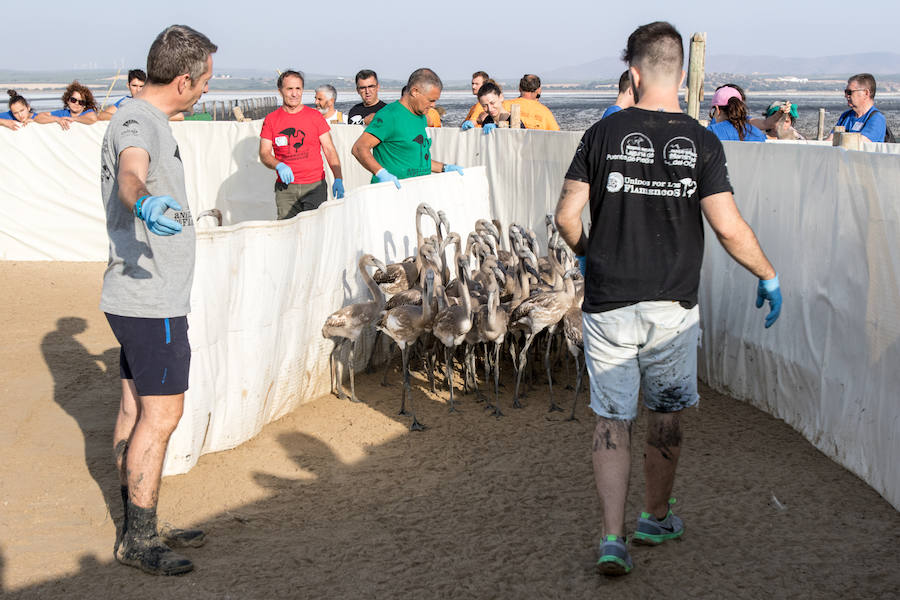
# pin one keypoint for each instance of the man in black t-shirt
(367, 86)
(648, 172)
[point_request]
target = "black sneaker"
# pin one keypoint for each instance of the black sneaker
(152, 556)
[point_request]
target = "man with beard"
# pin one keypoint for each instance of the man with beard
(326, 96)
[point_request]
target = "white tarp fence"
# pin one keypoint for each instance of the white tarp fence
(829, 219)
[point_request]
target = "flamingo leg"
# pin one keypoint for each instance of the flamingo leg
(448, 355)
(407, 392)
(350, 364)
(554, 407)
(497, 413)
(523, 360)
(404, 352)
(578, 379)
(387, 367)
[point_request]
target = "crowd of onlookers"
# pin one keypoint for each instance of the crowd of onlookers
(729, 117)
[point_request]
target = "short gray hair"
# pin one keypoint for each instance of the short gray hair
(177, 50)
(424, 78)
(328, 89)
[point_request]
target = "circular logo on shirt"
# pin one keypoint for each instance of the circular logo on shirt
(615, 182)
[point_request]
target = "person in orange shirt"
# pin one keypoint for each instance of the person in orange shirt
(495, 108)
(479, 78)
(433, 118)
(534, 114)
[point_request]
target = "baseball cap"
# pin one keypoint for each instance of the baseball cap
(724, 94)
(776, 106)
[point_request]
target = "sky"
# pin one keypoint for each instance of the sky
(455, 39)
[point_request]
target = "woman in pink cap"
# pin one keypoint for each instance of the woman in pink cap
(729, 118)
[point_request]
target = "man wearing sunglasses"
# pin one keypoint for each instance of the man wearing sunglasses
(862, 117)
(367, 86)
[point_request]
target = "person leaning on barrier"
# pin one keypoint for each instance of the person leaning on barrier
(396, 145)
(147, 287)
(625, 99)
(778, 121)
(367, 87)
(292, 141)
(863, 117)
(495, 109)
(325, 98)
(136, 80)
(649, 172)
(534, 114)
(479, 78)
(78, 107)
(729, 119)
(19, 113)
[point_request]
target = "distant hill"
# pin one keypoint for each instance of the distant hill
(877, 63)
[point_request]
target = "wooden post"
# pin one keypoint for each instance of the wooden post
(215, 109)
(515, 116)
(820, 129)
(850, 141)
(696, 71)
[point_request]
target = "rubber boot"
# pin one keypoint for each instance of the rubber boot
(142, 547)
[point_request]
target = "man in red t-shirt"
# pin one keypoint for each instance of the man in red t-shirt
(292, 141)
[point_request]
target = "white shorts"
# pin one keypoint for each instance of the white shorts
(650, 346)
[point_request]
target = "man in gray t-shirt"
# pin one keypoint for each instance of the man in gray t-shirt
(147, 286)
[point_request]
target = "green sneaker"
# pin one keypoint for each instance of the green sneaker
(652, 532)
(614, 558)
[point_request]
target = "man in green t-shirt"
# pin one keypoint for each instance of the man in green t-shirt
(395, 145)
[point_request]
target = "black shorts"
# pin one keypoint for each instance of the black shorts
(155, 353)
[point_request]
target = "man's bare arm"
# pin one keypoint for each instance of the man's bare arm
(134, 164)
(331, 155)
(572, 200)
(362, 151)
(266, 156)
(735, 235)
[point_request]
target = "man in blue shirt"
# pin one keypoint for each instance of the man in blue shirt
(625, 99)
(136, 80)
(862, 117)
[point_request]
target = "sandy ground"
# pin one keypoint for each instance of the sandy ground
(342, 501)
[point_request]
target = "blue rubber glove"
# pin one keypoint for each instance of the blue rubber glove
(151, 210)
(769, 289)
(467, 125)
(284, 173)
(337, 189)
(489, 128)
(582, 264)
(383, 175)
(453, 168)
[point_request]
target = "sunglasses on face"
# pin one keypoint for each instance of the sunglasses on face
(848, 92)
(360, 88)
(77, 101)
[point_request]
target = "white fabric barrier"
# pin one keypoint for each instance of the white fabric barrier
(828, 219)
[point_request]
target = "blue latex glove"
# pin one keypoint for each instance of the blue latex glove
(489, 128)
(769, 289)
(152, 210)
(382, 175)
(337, 188)
(453, 168)
(285, 173)
(582, 264)
(467, 125)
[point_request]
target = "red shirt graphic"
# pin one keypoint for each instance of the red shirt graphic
(295, 140)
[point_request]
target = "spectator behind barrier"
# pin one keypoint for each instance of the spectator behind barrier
(496, 109)
(136, 80)
(729, 119)
(19, 113)
(534, 114)
(326, 96)
(779, 120)
(78, 107)
(625, 99)
(479, 78)
(367, 87)
(863, 117)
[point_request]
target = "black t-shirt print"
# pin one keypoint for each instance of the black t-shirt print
(647, 171)
(360, 111)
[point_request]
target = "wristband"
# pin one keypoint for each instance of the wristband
(137, 206)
